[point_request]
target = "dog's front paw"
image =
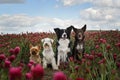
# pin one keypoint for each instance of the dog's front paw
(44, 65)
(55, 68)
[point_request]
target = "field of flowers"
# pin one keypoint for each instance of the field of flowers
(101, 60)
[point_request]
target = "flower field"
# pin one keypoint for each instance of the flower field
(101, 60)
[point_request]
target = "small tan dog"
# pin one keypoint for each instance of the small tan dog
(34, 53)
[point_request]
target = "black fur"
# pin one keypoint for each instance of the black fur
(59, 33)
(79, 40)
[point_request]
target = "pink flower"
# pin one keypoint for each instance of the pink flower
(71, 59)
(99, 55)
(97, 46)
(103, 40)
(86, 55)
(59, 76)
(29, 65)
(21, 64)
(7, 64)
(118, 44)
(91, 57)
(114, 56)
(32, 62)
(102, 61)
(108, 47)
(118, 64)
(76, 68)
(11, 51)
(80, 79)
(15, 73)
(2, 56)
(37, 72)
(16, 50)
(28, 76)
(83, 60)
(11, 58)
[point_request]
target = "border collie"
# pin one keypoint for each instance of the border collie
(78, 47)
(63, 44)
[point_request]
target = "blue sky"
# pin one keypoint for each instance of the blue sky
(18, 16)
(47, 8)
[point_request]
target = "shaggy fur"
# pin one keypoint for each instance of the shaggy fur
(48, 54)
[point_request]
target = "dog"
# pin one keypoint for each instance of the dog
(48, 54)
(34, 53)
(79, 46)
(63, 44)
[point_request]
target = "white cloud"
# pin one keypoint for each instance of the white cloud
(22, 23)
(103, 3)
(107, 3)
(97, 14)
(103, 14)
(73, 2)
(11, 1)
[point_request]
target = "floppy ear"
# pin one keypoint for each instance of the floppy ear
(69, 29)
(84, 28)
(30, 46)
(42, 40)
(51, 40)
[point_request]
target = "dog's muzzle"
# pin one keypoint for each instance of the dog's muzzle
(46, 45)
(34, 53)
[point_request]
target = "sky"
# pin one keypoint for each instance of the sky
(17, 16)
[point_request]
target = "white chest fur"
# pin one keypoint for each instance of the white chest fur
(79, 46)
(48, 54)
(63, 45)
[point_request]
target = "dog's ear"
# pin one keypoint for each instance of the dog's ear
(39, 47)
(51, 40)
(69, 29)
(57, 31)
(84, 28)
(42, 40)
(74, 29)
(30, 46)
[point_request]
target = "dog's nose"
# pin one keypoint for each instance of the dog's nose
(64, 35)
(79, 36)
(46, 44)
(33, 53)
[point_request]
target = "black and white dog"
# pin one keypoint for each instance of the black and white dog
(63, 44)
(78, 48)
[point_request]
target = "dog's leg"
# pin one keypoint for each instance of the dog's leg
(39, 61)
(64, 57)
(58, 60)
(54, 66)
(44, 63)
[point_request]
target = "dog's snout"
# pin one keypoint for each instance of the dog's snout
(33, 53)
(64, 35)
(46, 44)
(79, 35)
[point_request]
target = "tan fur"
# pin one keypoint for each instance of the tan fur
(36, 57)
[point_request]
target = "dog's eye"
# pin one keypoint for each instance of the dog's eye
(35, 50)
